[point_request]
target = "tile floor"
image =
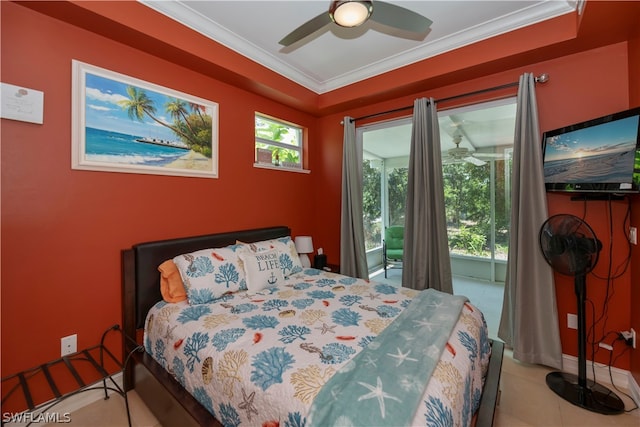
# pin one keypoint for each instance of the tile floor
(112, 413)
(525, 399)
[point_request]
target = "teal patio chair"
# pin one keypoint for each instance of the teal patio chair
(393, 247)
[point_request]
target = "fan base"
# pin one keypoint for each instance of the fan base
(593, 396)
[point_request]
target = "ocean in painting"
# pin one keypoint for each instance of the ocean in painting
(114, 147)
(605, 168)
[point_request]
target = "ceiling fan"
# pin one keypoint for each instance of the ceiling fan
(461, 154)
(352, 13)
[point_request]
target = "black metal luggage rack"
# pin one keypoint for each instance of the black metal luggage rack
(83, 360)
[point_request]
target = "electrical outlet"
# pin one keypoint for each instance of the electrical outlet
(68, 344)
(605, 346)
(633, 235)
(572, 321)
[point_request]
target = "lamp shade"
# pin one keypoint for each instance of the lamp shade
(350, 13)
(304, 244)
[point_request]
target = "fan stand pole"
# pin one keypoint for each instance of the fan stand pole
(579, 390)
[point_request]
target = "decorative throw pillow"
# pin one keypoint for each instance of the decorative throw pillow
(287, 254)
(171, 286)
(262, 269)
(208, 274)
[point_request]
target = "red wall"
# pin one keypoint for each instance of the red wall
(634, 302)
(571, 95)
(62, 230)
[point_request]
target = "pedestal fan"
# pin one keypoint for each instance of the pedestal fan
(571, 248)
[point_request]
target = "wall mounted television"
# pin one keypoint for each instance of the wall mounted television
(597, 156)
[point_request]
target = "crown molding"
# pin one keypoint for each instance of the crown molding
(533, 14)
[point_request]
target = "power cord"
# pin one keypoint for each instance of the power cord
(611, 363)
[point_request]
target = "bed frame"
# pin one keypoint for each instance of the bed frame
(162, 394)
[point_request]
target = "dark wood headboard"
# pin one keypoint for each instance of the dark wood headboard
(140, 276)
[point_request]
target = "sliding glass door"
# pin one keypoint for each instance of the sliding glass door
(476, 151)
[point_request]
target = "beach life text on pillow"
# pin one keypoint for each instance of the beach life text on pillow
(262, 269)
(287, 254)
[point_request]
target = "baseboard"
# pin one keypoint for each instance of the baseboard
(68, 405)
(621, 378)
(634, 389)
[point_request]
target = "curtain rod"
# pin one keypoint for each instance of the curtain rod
(542, 78)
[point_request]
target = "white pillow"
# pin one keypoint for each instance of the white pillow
(208, 274)
(287, 255)
(262, 269)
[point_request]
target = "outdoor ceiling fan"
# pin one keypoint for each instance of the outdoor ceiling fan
(461, 154)
(353, 13)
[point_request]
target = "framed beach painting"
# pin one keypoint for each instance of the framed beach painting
(123, 124)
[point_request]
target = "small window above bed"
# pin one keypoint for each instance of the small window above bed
(279, 144)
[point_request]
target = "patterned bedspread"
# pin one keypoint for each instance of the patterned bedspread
(261, 359)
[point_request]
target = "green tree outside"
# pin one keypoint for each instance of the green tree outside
(272, 131)
(372, 215)
(467, 196)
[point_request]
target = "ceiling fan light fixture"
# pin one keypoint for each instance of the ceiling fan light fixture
(349, 13)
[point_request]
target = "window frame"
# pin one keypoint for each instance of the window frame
(301, 136)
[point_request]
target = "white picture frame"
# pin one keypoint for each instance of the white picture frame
(124, 124)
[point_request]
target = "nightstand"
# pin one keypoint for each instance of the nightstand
(334, 268)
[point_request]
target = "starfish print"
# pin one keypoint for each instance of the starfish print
(378, 394)
(169, 334)
(432, 352)
(247, 403)
(373, 296)
(408, 336)
(326, 328)
(402, 357)
(370, 362)
(424, 324)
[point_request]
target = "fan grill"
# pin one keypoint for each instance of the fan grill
(569, 245)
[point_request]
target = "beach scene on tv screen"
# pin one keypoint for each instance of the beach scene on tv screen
(599, 154)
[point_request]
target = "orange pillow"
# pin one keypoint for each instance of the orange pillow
(171, 286)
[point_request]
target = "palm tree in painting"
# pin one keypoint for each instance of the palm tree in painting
(138, 105)
(198, 109)
(178, 110)
(194, 131)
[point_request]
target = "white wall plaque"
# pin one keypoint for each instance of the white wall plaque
(19, 103)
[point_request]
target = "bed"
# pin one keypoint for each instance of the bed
(292, 351)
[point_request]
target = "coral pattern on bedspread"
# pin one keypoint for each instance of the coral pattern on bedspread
(253, 360)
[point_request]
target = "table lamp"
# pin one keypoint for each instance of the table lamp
(304, 246)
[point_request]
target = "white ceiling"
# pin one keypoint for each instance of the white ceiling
(335, 57)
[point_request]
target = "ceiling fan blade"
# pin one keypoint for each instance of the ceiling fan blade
(475, 161)
(483, 155)
(306, 29)
(399, 17)
(448, 161)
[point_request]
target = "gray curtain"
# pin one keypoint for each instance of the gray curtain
(426, 261)
(529, 322)
(353, 257)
